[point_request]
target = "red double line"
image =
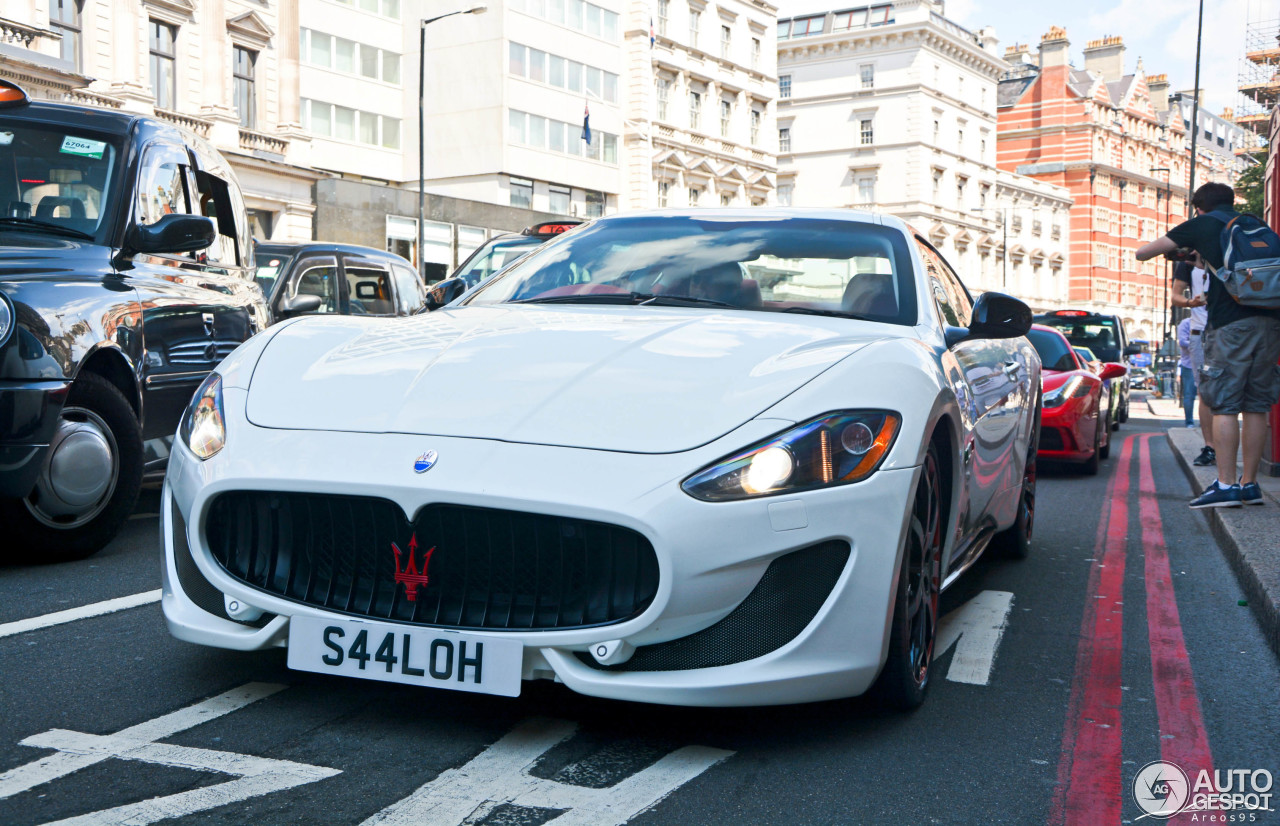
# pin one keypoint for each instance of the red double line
(1090, 789)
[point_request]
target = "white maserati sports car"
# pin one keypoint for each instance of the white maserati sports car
(705, 457)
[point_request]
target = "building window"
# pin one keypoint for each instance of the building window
(521, 193)
(695, 19)
(694, 195)
(801, 26)
(961, 183)
(695, 110)
(664, 6)
(755, 127)
(755, 53)
(726, 114)
(595, 204)
(329, 121)
(866, 134)
(726, 37)
(342, 55)
(560, 137)
(664, 192)
(868, 73)
(726, 199)
(575, 14)
(664, 94)
(784, 86)
(784, 195)
(937, 131)
(560, 197)
(561, 72)
(784, 140)
(164, 80)
(937, 184)
(866, 191)
(960, 139)
(64, 18)
(246, 102)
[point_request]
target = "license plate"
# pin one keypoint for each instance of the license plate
(413, 656)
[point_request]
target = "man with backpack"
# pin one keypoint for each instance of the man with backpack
(1240, 377)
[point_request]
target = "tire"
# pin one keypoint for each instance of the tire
(1104, 452)
(904, 679)
(1123, 414)
(1015, 541)
(96, 411)
(1094, 463)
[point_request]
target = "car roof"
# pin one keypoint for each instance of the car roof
(275, 248)
(766, 214)
(76, 117)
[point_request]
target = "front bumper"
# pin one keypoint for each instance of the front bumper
(1067, 432)
(29, 413)
(710, 555)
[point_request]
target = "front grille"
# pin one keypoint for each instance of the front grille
(201, 352)
(783, 603)
(1050, 439)
(488, 568)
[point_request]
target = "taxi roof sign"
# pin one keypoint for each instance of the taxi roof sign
(11, 94)
(550, 228)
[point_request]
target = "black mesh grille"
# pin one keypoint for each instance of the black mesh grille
(782, 604)
(1051, 439)
(488, 568)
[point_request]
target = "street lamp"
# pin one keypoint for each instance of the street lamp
(1164, 288)
(422, 140)
(1004, 230)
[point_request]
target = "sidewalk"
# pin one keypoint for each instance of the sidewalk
(1249, 536)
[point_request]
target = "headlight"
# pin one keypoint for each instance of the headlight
(6, 319)
(1073, 388)
(836, 449)
(203, 427)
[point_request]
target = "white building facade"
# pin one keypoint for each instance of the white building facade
(221, 68)
(701, 103)
(892, 107)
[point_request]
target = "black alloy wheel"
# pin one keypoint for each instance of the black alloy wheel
(1105, 451)
(1094, 463)
(904, 680)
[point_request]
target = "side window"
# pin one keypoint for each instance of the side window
(215, 201)
(409, 290)
(163, 184)
(369, 289)
(954, 306)
(318, 277)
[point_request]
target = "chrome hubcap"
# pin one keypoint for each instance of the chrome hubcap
(79, 474)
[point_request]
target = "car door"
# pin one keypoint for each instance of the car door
(367, 285)
(974, 370)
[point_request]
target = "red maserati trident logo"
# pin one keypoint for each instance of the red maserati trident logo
(408, 575)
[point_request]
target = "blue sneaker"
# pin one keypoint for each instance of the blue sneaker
(1216, 496)
(1251, 494)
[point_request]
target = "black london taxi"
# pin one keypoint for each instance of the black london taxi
(343, 279)
(126, 275)
(494, 256)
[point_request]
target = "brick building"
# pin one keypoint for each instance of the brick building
(1110, 139)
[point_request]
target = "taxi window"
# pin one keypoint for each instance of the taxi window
(318, 278)
(163, 184)
(410, 293)
(369, 290)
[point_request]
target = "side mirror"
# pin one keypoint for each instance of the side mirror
(1111, 370)
(299, 304)
(172, 233)
(1132, 350)
(444, 292)
(995, 315)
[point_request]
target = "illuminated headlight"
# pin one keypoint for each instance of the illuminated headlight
(203, 425)
(1072, 388)
(836, 449)
(6, 319)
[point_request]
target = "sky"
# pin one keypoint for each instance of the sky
(1161, 32)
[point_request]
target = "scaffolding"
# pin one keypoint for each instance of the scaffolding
(1259, 79)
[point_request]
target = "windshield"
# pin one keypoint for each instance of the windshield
(792, 264)
(270, 265)
(57, 177)
(495, 256)
(1098, 334)
(1053, 351)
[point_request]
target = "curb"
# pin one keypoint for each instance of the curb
(1246, 543)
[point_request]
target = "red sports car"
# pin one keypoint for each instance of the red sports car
(1075, 420)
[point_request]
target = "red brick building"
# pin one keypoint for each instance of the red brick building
(1109, 138)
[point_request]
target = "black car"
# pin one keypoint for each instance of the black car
(340, 279)
(126, 270)
(1105, 336)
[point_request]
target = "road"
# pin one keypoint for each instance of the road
(107, 719)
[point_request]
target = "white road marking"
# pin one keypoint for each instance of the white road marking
(500, 775)
(76, 750)
(8, 629)
(975, 629)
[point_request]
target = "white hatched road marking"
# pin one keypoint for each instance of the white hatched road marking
(255, 775)
(975, 629)
(500, 775)
(97, 609)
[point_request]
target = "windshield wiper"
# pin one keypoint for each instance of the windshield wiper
(669, 300)
(834, 313)
(584, 298)
(30, 223)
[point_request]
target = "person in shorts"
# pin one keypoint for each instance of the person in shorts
(1186, 373)
(1240, 378)
(1190, 284)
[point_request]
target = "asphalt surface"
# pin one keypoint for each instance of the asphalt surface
(1031, 746)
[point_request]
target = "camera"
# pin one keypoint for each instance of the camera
(1181, 254)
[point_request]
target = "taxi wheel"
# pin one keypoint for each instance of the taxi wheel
(905, 677)
(89, 483)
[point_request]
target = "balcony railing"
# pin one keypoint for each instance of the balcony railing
(259, 142)
(84, 97)
(198, 125)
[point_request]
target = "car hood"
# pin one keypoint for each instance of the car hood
(624, 379)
